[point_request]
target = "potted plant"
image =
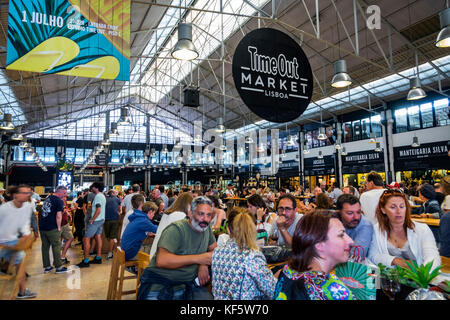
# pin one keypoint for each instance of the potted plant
(422, 275)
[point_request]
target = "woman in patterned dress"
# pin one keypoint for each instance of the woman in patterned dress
(318, 245)
(239, 269)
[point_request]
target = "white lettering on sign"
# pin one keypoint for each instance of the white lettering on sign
(42, 18)
(423, 151)
(274, 66)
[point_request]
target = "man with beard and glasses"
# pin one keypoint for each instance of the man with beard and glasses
(357, 226)
(179, 269)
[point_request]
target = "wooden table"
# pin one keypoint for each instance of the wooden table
(428, 221)
(235, 199)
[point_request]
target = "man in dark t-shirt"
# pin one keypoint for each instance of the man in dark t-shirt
(50, 218)
(111, 225)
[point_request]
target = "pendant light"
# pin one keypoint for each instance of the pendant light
(106, 141)
(248, 140)
(114, 132)
(343, 152)
(220, 127)
(17, 135)
(124, 117)
(6, 123)
(416, 92)
(320, 155)
(415, 143)
(443, 38)
(322, 135)
(341, 79)
(378, 147)
(291, 141)
(372, 138)
(305, 149)
(23, 144)
(184, 49)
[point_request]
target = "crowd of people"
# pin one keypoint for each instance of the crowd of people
(204, 246)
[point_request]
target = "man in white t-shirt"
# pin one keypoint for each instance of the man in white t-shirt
(369, 199)
(229, 193)
(15, 227)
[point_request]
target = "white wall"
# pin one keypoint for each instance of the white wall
(429, 135)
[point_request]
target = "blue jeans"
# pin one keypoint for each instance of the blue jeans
(198, 294)
(93, 229)
(7, 254)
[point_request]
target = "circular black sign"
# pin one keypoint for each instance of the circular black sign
(272, 75)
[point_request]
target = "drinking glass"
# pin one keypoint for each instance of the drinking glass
(390, 287)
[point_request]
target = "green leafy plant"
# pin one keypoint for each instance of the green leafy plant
(397, 274)
(421, 275)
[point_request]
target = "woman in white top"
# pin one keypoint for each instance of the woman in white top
(397, 238)
(177, 211)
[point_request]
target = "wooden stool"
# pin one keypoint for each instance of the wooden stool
(24, 244)
(117, 275)
(445, 264)
(143, 262)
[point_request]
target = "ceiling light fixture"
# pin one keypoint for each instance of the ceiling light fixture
(341, 79)
(114, 131)
(184, 49)
(416, 92)
(6, 123)
(124, 117)
(443, 38)
(322, 135)
(415, 143)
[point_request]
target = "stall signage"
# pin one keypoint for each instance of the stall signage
(423, 151)
(288, 165)
(314, 166)
(363, 157)
(427, 156)
(272, 75)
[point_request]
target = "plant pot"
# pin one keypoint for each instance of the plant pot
(425, 294)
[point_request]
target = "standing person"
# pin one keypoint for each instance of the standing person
(95, 226)
(318, 245)
(284, 226)
(184, 253)
(15, 228)
(50, 219)
(2, 193)
(369, 199)
(164, 196)
(78, 219)
(127, 207)
(66, 232)
(112, 216)
(356, 225)
(239, 269)
(179, 210)
(397, 238)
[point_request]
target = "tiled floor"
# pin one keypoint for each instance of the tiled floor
(80, 284)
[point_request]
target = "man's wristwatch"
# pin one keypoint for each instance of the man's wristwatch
(282, 229)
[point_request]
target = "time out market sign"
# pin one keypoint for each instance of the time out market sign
(272, 75)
